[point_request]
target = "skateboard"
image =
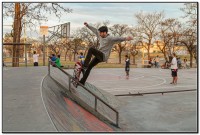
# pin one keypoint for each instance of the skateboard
(77, 73)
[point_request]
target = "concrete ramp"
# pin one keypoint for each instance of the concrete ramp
(66, 115)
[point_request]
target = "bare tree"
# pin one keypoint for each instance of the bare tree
(133, 47)
(169, 35)
(133, 52)
(190, 32)
(189, 39)
(190, 11)
(147, 26)
(77, 44)
(56, 48)
(120, 30)
(35, 13)
(67, 47)
(89, 37)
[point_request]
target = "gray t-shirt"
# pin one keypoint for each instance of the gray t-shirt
(106, 44)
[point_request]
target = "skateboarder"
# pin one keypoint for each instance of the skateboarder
(103, 52)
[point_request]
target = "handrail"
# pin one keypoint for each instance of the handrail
(96, 96)
(158, 92)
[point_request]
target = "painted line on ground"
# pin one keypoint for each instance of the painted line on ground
(44, 103)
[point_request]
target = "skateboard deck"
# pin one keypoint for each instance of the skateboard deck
(77, 73)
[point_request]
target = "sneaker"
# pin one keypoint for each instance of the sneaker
(82, 83)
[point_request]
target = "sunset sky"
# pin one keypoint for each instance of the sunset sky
(115, 12)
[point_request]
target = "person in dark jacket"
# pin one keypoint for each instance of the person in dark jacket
(127, 66)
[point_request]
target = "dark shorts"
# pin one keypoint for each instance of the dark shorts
(127, 68)
(35, 63)
(174, 72)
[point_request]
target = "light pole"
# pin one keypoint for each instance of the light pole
(43, 50)
(25, 50)
(142, 55)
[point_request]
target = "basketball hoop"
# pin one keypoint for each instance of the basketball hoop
(44, 30)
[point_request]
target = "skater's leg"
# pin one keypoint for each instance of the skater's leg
(93, 63)
(175, 80)
(173, 76)
(92, 51)
(127, 74)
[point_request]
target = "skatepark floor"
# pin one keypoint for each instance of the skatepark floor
(24, 109)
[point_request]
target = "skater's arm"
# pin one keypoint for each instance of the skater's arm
(120, 39)
(94, 30)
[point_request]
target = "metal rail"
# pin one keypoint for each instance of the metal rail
(160, 92)
(96, 96)
(25, 50)
(16, 44)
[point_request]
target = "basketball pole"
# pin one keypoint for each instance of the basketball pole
(43, 50)
(44, 31)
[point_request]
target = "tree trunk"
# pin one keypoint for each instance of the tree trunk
(133, 59)
(148, 51)
(66, 55)
(16, 37)
(70, 56)
(85, 53)
(165, 56)
(120, 53)
(74, 56)
(191, 58)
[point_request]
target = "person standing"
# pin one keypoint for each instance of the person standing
(35, 58)
(179, 63)
(174, 69)
(127, 66)
(150, 62)
(157, 59)
(53, 59)
(57, 61)
(103, 52)
(154, 62)
(82, 58)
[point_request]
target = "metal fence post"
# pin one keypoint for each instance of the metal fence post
(43, 50)
(117, 119)
(95, 103)
(25, 55)
(69, 83)
(49, 68)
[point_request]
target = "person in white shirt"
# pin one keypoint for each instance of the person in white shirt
(174, 69)
(157, 59)
(35, 58)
